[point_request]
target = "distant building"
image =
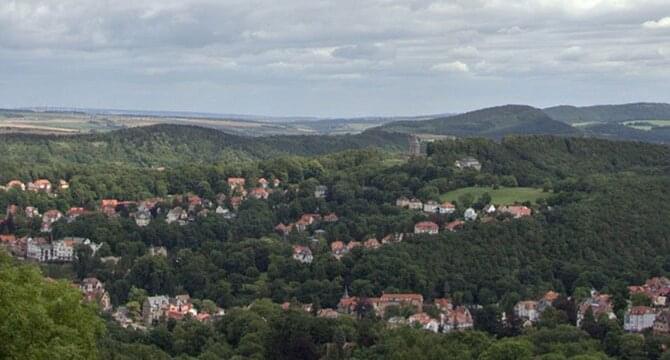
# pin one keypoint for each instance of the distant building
(470, 214)
(302, 254)
(515, 210)
(236, 183)
(639, 318)
(527, 310)
(320, 191)
(143, 218)
(468, 163)
(430, 206)
(447, 208)
(426, 227)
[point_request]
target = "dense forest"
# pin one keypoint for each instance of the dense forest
(602, 226)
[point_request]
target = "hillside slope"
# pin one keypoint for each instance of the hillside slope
(162, 145)
(495, 122)
(609, 113)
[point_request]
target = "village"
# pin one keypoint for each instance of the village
(397, 309)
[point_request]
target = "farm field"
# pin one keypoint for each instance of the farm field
(647, 124)
(500, 196)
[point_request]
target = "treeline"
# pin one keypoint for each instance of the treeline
(173, 145)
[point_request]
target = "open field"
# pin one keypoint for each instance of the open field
(647, 124)
(501, 196)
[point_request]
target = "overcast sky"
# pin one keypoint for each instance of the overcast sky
(332, 57)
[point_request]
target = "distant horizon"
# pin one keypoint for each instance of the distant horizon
(254, 116)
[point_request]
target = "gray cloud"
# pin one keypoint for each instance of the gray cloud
(260, 56)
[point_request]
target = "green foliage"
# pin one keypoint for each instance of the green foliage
(43, 318)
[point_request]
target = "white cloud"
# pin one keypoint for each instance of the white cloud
(451, 67)
(660, 24)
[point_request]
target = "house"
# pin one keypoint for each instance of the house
(154, 308)
(347, 304)
(489, 209)
(263, 183)
(220, 210)
(392, 238)
(320, 191)
(353, 244)
(143, 218)
(31, 212)
(276, 183)
(13, 245)
(402, 202)
(74, 213)
(457, 319)
(425, 321)
(547, 300)
(392, 299)
(470, 214)
(63, 185)
(454, 225)
(515, 210)
(527, 310)
(236, 201)
(158, 251)
(177, 214)
(283, 230)
(302, 254)
(194, 201)
(38, 249)
(415, 204)
(468, 162)
(16, 184)
(179, 307)
(42, 185)
(307, 220)
(259, 193)
(431, 207)
(328, 314)
(330, 218)
(657, 289)
(236, 183)
(426, 227)
(372, 244)
(446, 208)
(94, 291)
(662, 323)
(598, 304)
(49, 218)
(63, 250)
(443, 304)
(639, 318)
(338, 249)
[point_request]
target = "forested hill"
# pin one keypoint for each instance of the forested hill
(495, 122)
(534, 158)
(609, 113)
(162, 145)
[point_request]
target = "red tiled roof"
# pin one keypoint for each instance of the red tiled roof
(426, 225)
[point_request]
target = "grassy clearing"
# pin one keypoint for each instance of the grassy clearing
(647, 124)
(502, 196)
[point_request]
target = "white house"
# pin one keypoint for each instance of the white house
(447, 208)
(639, 318)
(527, 310)
(430, 207)
(470, 214)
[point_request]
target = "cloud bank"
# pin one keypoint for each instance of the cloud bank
(332, 57)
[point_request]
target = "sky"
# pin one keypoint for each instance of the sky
(332, 58)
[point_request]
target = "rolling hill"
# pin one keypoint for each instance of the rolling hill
(495, 123)
(609, 113)
(164, 145)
